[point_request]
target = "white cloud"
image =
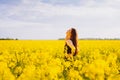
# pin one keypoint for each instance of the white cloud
(92, 16)
(13, 24)
(31, 11)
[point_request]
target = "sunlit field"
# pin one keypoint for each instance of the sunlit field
(44, 60)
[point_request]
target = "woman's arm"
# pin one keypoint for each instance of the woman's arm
(70, 44)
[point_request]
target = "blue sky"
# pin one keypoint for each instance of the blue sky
(49, 19)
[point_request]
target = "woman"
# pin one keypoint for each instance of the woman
(71, 43)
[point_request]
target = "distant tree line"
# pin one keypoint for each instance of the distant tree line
(94, 39)
(99, 39)
(8, 39)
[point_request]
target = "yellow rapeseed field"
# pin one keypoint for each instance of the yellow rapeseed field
(44, 60)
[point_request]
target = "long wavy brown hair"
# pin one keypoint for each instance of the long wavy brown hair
(73, 36)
